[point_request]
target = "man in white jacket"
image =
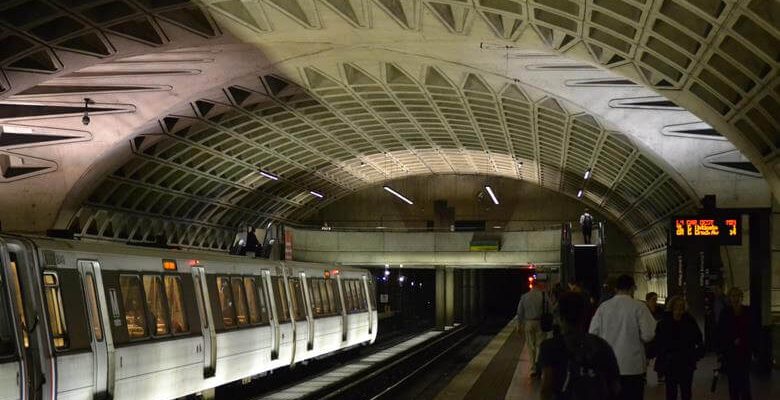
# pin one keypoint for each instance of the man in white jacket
(626, 324)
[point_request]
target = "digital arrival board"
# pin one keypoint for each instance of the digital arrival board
(723, 230)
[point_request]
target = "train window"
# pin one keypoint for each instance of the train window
(155, 301)
(239, 296)
(372, 293)
(226, 302)
(173, 292)
(264, 300)
(59, 331)
(361, 291)
(349, 296)
(7, 347)
(19, 305)
(333, 295)
(251, 300)
(316, 297)
(94, 315)
(298, 305)
(133, 303)
(280, 296)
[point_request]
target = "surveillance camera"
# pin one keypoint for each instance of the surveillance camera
(85, 120)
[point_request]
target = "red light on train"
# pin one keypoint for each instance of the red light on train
(193, 263)
(334, 272)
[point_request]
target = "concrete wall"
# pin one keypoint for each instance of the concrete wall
(423, 248)
(522, 206)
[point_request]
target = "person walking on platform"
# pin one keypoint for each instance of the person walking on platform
(626, 324)
(679, 347)
(734, 345)
(577, 365)
(586, 222)
(651, 299)
(529, 315)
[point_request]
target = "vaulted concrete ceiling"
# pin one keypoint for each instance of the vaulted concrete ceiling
(336, 95)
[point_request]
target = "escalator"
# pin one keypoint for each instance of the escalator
(583, 262)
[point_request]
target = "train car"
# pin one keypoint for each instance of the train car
(87, 320)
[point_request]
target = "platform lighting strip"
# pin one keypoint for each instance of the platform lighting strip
(579, 194)
(492, 195)
(276, 178)
(587, 174)
(396, 194)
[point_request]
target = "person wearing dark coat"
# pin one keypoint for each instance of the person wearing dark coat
(734, 345)
(679, 347)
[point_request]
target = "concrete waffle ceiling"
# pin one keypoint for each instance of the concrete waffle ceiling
(192, 98)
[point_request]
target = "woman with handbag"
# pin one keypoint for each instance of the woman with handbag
(679, 347)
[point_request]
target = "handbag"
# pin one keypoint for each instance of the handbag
(546, 320)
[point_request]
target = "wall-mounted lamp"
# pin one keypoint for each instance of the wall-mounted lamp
(269, 175)
(492, 194)
(399, 195)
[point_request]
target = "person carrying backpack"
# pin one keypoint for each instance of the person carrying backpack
(586, 222)
(577, 365)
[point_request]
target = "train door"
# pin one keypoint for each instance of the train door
(13, 375)
(265, 281)
(209, 348)
(102, 342)
(344, 325)
(370, 306)
(24, 289)
(309, 314)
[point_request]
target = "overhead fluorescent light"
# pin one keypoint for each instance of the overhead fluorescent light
(587, 174)
(316, 194)
(269, 175)
(492, 195)
(396, 194)
(579, 194)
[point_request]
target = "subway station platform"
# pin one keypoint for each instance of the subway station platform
(502, 371)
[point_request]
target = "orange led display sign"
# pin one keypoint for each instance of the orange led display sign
(724, 230)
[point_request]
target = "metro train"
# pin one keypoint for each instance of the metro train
(87, 320)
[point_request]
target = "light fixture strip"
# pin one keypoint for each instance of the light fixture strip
(269, 175)
(399, 195)
(316, 194)
(579, 194)
(492, 195)
(587, 174)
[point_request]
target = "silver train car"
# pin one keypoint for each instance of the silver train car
(86, 320)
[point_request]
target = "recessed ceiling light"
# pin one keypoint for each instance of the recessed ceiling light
(269, 175)
(492, 195)
(399, 195)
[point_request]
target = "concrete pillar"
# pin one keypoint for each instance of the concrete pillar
(481, 293)
(473, 294)
(459, 295)
(441, 298)
(449, 293)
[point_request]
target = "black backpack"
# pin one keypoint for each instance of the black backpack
(587, 221)
(583, 380)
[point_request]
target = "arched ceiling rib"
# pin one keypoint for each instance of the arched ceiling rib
(341, 134)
